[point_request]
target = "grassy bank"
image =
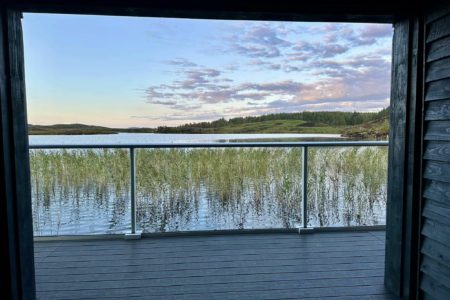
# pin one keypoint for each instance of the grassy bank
(377, 129)
(372, 130)
(350, 124)
(272, 126)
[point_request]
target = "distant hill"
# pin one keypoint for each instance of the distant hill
(76, 129)
(351, 124)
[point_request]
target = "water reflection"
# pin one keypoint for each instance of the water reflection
(87, 191)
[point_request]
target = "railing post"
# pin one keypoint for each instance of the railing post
(305, 187)
(133, 190)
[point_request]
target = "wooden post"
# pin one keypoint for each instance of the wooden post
(404, 175)
(17, 253)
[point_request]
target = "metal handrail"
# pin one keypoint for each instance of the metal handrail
(213, 145)
(132, 147)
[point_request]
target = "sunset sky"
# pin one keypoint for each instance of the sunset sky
(147, 72)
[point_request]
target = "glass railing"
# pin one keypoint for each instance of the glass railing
(109, 189)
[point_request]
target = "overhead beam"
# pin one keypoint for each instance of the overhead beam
(382, 11)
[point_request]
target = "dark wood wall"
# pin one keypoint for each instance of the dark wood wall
(435, 229)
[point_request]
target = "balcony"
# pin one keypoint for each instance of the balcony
(339, 265)
(255, 253)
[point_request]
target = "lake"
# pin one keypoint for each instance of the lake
(142, 138)
(86, 191)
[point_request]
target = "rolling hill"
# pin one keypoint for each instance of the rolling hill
(350, 124)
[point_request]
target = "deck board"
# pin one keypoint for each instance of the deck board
(339, 265)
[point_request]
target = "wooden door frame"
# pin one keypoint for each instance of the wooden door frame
(15, 195)
(405, 159)
(405, 149)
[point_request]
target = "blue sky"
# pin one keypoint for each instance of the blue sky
(146, 72)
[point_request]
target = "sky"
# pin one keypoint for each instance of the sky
(147, 72)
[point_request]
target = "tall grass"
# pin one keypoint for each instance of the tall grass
(87, 191)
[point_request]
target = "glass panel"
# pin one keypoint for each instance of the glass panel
(347, 186)
(87, 191)
(80, 191)
(209, 189)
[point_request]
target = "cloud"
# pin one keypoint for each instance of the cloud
(361, 75)
(197, 78)
(305, 51)
(267, 65)
(259, 41)
(153, 94)
(182, 62)
(203, 116)
(342, 105)
(330, 75)
(256, 50)
(360, 78)
(368, 34)
(330, 41)
(209, 86)
(342, 84)
(265, 35)
(376, 31)
(283, 87)
(339, 38)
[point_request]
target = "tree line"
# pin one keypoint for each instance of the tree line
(313, 119)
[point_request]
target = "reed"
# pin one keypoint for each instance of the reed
(87, 191)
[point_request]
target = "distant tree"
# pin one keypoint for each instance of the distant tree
(320, 118)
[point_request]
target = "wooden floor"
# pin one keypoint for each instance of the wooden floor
(344, 265)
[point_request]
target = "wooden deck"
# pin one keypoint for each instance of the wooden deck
(339, 265)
